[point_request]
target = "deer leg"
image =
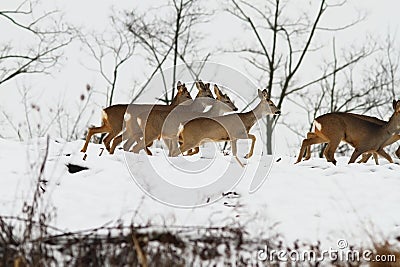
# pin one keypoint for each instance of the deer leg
(184, 147)
(173, 149)
(117, 140)
(357, 152)
(92, 131)
(180, 144)
(132, 137)
(391, 140)
(308, 148)
(139, 146)
(330, 150)
(308, 142)
(167, 143)
(107, 140)
(234, 147)
(129, 142)
(234, 152)
(225, 145)
(365, 157)
(253, 141)
(304, 146)
(193, 151)
(385, 155)
(148, 151)
(398, 152)
(170, 146)
(133, 133)
(376, 158)
(144, 143)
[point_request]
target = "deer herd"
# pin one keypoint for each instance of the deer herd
(187, 123)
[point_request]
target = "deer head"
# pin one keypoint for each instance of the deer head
(267, 104)
(224, 98)
(204, 89)
(182, 95)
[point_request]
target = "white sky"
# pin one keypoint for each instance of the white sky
(70, 80)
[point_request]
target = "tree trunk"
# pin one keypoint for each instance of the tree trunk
(176, 39)
(269, 135)
(321, 151)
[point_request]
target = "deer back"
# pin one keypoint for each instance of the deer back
(359, 131)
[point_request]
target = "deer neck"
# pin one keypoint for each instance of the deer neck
(249, 118)
(393, 125)
(175, 103)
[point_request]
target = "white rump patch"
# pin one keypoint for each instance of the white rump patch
(127, 116)
(207, 108)
(139, 121)
(180, 129)
(105, 116)
(317, 125)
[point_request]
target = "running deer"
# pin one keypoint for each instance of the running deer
(363, 135)
(365, 156)
(223, 128)
(165, 125)
(113, 118)
(134, 131)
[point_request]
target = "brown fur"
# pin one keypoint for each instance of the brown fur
(134, 132)
(365, 156)
(229, 127)
(364, 135)
(113, 120)
(165, 124)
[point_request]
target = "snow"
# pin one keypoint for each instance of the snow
(311, 201)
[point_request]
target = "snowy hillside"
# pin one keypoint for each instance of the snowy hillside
(312, 201)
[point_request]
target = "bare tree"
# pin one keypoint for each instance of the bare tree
(282, 43)
(368, 92)
(48, 37)
(41, 120)
(172, 38)
(110, 50)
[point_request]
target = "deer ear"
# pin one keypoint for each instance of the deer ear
(198, 85)
(397, 105)
(265, 93)
(217, 92)
(260, 93)
(179, 83)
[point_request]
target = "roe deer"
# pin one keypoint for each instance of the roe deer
(363, 135)
(134, 132)
(223, 128)
(113, 119)
(365, 156)
(165, 125)
(394, 138)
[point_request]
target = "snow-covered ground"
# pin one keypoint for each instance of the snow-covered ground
(311, 201)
